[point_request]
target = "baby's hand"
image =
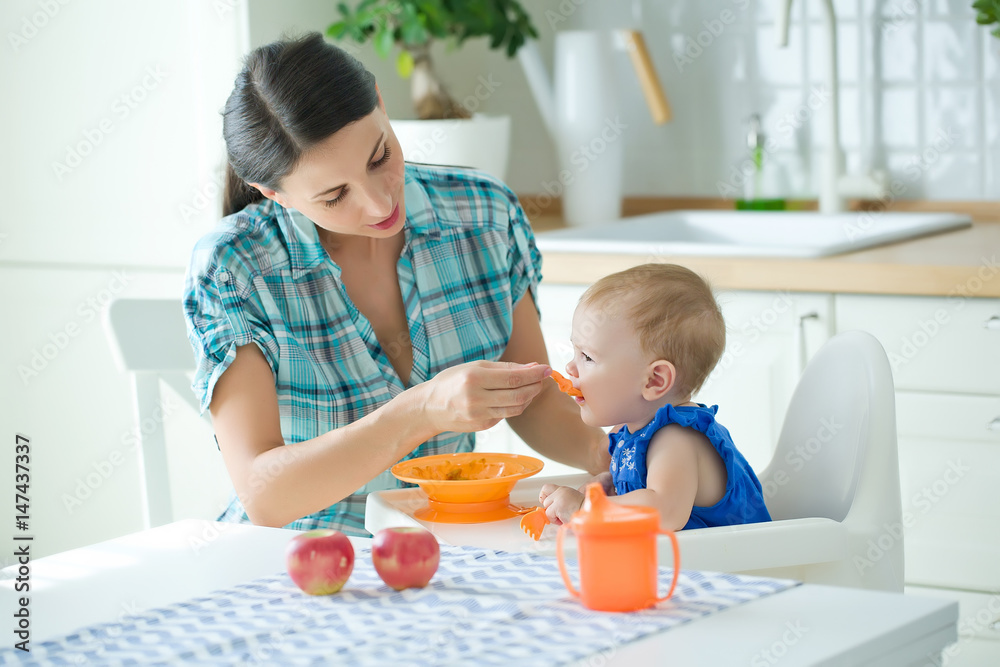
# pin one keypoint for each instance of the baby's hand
(560, 503)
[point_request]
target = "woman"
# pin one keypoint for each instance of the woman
(351, 311)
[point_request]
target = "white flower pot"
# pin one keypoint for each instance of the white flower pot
(481, 142)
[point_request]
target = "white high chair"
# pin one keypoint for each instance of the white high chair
(149, 340)
(832, 486)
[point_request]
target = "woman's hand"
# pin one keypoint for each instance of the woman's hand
(477, 395)
(560, 502)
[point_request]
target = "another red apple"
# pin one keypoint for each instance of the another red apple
(320, 561)
(405, 557)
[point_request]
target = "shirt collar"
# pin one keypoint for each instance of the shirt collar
(306, 252)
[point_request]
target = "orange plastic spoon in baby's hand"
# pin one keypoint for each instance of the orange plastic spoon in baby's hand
(565, 386)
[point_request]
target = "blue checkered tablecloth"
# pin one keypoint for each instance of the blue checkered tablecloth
(482, 607)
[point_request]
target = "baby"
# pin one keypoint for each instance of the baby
(644, 340)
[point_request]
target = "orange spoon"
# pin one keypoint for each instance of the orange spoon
(533, 522)
(565, 386)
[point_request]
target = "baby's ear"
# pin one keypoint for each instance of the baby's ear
(661, 376)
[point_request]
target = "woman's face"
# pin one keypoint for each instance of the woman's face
(351, 183)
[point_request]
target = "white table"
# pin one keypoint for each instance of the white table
(806, 625)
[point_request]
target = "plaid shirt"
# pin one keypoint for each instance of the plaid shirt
(262, 276)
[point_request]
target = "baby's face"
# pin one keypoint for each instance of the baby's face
(608, 367)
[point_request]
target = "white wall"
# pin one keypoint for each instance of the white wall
(111, 154)
(910, 71)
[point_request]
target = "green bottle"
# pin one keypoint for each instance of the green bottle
(753, 199)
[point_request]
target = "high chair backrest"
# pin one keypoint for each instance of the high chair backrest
(837, 448)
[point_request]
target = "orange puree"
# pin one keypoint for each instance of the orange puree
(565, 386)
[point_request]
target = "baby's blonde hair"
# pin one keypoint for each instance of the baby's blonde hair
(673, 313)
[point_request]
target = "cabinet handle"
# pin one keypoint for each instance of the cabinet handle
(994, 425)
(803, 353)
(993, 324)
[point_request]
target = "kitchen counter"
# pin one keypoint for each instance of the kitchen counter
(963, 262)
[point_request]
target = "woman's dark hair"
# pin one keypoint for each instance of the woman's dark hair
(290, 95)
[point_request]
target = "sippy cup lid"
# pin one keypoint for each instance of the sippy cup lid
(600, 516)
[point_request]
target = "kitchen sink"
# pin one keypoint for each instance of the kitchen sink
(749, 233)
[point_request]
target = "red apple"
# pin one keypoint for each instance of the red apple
(405, 557)
(320, 561)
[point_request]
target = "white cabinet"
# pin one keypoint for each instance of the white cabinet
(769, 337)
(945, 357)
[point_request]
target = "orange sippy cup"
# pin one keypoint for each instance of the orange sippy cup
(616, 553)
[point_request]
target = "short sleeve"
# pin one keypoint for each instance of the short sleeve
(524, 259)
(223, 312)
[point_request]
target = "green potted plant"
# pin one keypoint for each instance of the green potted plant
(988, 13)
(447, 128)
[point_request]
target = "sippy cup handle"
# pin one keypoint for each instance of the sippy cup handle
(677, 563)
(562, 565)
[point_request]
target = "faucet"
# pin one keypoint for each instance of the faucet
(834, 186)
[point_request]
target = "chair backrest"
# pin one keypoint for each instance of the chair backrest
(150, 335)
(839, 436)
(149, 341)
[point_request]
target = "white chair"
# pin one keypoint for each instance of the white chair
(832, 486)
(149, 340)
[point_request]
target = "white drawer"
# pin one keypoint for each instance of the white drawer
(934, 343)
(978, 613)
(949, 467)
(948, 417)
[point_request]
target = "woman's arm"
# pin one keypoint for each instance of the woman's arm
(551, 424)
(279, 483)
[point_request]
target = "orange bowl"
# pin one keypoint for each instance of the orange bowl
(471, 477)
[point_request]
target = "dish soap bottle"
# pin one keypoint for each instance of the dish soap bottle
(754, 198)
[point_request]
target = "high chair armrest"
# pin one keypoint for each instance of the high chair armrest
(757, 546)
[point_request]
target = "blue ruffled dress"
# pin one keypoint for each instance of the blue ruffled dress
(743, 501)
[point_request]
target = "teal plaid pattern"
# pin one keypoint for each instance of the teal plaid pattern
(262, 276)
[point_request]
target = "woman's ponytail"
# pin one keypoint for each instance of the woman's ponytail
(237, 194)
